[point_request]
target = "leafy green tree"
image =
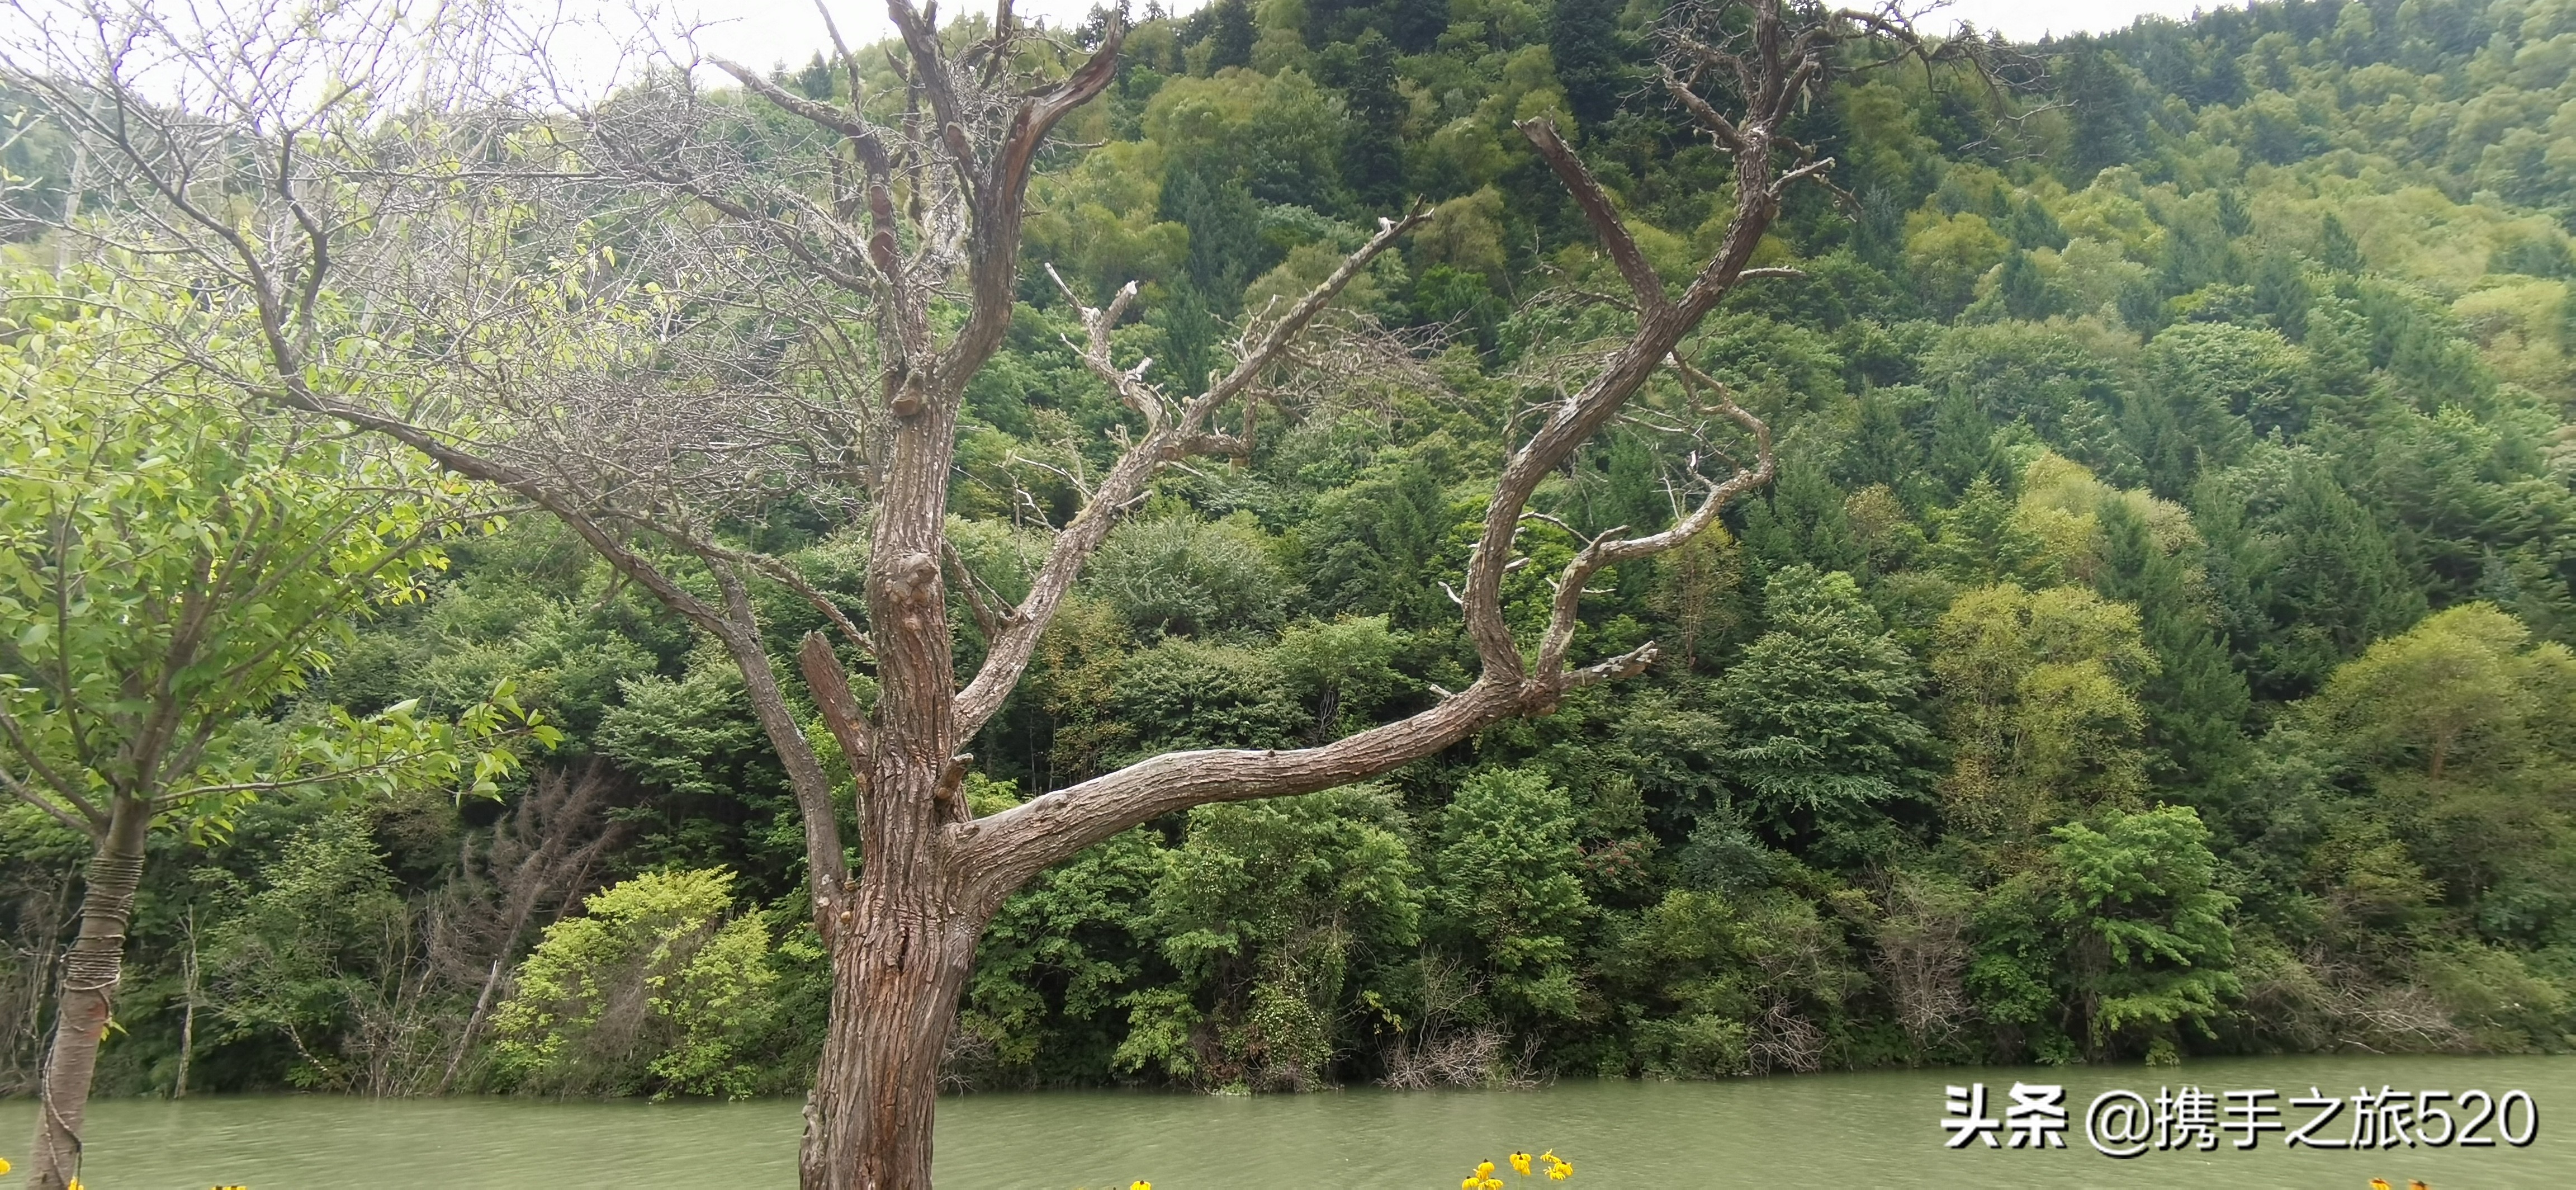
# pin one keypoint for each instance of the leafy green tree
(1506, 888)
(1182, 576)
(2043, 712)
(1731, 985)
(171, 572)
(1345, 666)
(2109, 941)
(1044, 1003)
(647, 991)
(2233, 267)
(1280, 915)
(2460, 729)
(1187, 694)
(314, 940)
(1819, 709)
(2151, 948)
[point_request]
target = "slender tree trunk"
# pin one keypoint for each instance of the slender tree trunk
(187, 1011)
(86, 1000)
(473, 1024)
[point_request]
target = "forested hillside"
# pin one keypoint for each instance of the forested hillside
(2155, 643)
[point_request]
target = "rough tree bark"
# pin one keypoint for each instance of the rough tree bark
(923, 214)
(85, 999)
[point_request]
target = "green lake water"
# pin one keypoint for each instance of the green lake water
(1817, 1132)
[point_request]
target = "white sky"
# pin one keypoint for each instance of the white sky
(769, 32)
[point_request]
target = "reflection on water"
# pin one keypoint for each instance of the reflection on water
(1827, 1132)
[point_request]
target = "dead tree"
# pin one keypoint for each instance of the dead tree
(889, 251)
(537, 864)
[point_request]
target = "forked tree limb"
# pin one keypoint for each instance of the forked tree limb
(1595, 204)
(1171, 433)
(1610, 549)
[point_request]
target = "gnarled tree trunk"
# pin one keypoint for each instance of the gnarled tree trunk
(895, 984)
(86, 997)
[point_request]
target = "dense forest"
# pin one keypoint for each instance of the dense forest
(2155, 642)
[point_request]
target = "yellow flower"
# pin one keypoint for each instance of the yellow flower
(1471, 1182)
(1520, 1164)
(4, 1165)
(1484, 1169)
(1141, 1184)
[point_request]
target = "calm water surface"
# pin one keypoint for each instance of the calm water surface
(1819, 1132)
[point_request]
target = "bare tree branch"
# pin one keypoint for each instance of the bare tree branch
(1169, 435)
(1606, 227)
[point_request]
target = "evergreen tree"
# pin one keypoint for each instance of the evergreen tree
(1505, 886)
(2196, 700)
(1190, 333)
(2282, 293)
(1416, 25)
(1981, 542)
(1882, 449)
(2337, 250)
(2319, 571)
(2110, 119)
(2031, 226)
(2024, 291)
(1583, 37)
(1963, 444)
(1818, 708)
(1802, 521)
(1373, 159)
(1231, 34)
(1328, 21)
(1225, 231)
(2234, 218)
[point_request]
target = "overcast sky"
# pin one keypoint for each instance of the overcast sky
(766, 32)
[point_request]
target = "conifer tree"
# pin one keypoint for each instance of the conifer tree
(1373, 161)
(1231, 34)
(2196, 699)
(2110, 122)
(1818, 708)
(1583, 37)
